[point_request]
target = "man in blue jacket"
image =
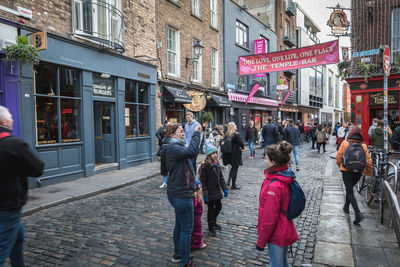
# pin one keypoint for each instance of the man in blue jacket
(190, 126)
(269, 134)
(292, 136)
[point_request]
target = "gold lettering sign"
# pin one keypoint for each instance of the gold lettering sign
(39, 40)
(198, 101)
(377, 98)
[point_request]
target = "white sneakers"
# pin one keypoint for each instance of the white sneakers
(163, 185)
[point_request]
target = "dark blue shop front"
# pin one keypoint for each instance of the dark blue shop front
(86, 111)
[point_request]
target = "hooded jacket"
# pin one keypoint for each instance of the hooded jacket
(181, 175)
(273, 225)
(378, 138)
(213, 181)
(342, 149)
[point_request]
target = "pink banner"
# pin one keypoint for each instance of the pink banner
(256, 100)
(286, 97)
(252, 92)
(320, 54)
(260, 48)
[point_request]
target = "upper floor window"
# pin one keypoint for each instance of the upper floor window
(173, 52)
(214, 13)
(395, 33)
(242, 34)
(214, 67)
(196, 8)
(197, 65)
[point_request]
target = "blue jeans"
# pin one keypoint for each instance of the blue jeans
(251, 146)
(184, 217)
(278, 255)
(194, 161)
(296, 155)
(165, 178)
(12, 234)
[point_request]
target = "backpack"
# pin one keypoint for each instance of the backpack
(226, 145)
(297, 201)
(354, 159)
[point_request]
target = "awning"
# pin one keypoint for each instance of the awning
(220, 101)
(255, 100)
(173, 94)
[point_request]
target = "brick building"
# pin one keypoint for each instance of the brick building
(90, 101)
(188, 81)
(374, 23)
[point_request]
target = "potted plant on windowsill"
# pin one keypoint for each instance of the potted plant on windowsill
(22, 51)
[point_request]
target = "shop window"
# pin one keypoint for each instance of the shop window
(103, 86)
(58, 104)
(136, 109)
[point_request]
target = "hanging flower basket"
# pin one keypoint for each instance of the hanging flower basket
(22, 51)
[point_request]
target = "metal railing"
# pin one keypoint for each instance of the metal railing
(394, 208)
(290, 7)
(99, 22)
(289, 37)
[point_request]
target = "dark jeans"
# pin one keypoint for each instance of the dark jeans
(319, 146)
(12, 234)
(214, 208)
(313, 143)
(350, 179)
(233, 174)
(193, 161)
(184, 218)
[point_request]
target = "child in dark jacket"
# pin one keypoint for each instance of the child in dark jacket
(197, 233)
(213, 184)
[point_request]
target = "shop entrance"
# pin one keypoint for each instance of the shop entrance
(104, 132)
(393, 115)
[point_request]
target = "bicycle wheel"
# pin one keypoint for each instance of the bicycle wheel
(361, 184)
(369, 188)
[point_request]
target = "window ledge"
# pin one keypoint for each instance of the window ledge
(215, 29)
(197, 17)
(174, 78)
(175, 3)
(243, 47)
(197, 82)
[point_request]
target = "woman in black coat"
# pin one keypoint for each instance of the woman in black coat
(234, 158)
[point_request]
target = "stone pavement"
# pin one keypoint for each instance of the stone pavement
(132, 226)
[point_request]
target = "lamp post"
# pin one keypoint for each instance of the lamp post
(198, 50)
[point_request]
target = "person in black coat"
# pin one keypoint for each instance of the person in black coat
(234, 158)
(292, 136)
(213, 184)
(251, 137)
(181, 186)
(396, 138)
(17, 163)
(161, 132)
(270, 133)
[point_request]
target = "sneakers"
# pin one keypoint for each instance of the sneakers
(250, 157)
(346, 209)
(163, 185)
(235, 187)
(211, 232)
(176, 258)
(359, 218)
(217, 226)
(297, 169)
(203, 245)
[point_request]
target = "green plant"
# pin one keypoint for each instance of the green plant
(396, 65)
(343, 68)
(207, 117)
(366, 70)
(22, 51)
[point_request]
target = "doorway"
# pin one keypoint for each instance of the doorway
(104, 132)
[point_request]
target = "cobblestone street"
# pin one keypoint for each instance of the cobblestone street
(133, 226)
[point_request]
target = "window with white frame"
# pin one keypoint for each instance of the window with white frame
(196, 8)
(241, 34)
(214, 13)
(214, 67)
(197, 65)
(395, 33)
(172, 52)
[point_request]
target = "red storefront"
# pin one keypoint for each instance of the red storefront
(367, 100)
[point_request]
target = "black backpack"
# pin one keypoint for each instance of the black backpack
(354, 159)
(226, 145)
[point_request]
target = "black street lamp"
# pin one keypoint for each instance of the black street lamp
(198, 50)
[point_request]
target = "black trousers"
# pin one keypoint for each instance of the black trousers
(319, 146)
(233, 174)
(350, 179)
(313, 143)
(214, 208)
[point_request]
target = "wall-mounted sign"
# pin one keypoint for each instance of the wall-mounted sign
(143, 75)
(345, 53)
(376, 99)
(24, 12)
(198, 101)
(358, 98)
(103, 86)
(39, 40)
(260, 49)
(366, 53)
(338, 22)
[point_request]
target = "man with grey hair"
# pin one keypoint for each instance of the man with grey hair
(17, 163)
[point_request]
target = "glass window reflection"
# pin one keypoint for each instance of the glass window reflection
(46, 120)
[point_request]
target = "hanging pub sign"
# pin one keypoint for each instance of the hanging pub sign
(338, 22)
(376, 99)
(198, 101)
(315, 55)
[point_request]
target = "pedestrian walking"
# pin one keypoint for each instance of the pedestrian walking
(190, 126)
(313, 133)
(270, 133)
(213, 185)
(234, 158)
(351, 152)
(251, 137)
(292, 136)
(163, 169)
(181, 186)
(273, 227)
(328, 132)
(396, 139)
(17, 163)
(321, 138)
(341, 134)
(279, 125)
(197, 233)
(372, 128)
(378, 136)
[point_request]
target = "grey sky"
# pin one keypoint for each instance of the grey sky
(318, 12)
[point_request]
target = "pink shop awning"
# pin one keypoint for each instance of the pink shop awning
(255, 100)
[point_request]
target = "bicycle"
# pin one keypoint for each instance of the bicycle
(361, 184)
